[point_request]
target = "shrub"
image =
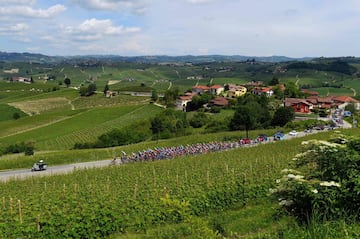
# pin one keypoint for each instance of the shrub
(326, 180)
(199, 120)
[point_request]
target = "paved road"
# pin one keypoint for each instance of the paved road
(54, 170)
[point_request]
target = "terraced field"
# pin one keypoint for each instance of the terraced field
(62, 132)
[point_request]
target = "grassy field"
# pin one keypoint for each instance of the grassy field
(7, 112)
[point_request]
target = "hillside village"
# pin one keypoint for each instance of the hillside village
(223, 93)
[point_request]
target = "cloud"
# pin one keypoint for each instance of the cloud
(27, 11)
(18, 2)
(94, 29)
(17, 29)
(135, 6)
(198, 1)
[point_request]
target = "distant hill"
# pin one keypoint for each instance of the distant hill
(26, 57)
(40, 58)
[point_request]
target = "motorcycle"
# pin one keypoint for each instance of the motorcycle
(38, 167)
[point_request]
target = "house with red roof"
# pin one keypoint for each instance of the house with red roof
(219, 101)
(299, 105)
(181, 101)
(216, 89)
(268, 91)
(321, 102)
(200, 89)
(342, 101)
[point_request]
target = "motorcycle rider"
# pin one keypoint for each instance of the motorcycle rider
(41, 164)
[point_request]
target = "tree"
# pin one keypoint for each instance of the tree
(168, 124)
(83, 91)
(67, 82)
(16, 116)
(199, 120)
(106, 88)
(91, 88)
(29, 148)
(244, 118)
(198, 101)
(274, 80)
(283, 115)
(154, 96)
(87, 91)
(291, 90)
(351, 107)
(170, 96)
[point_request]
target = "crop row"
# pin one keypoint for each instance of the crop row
(82, 126)
(97, 202)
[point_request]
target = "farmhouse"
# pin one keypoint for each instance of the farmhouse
(321, 102)
(342, 101)
(182, 101)
(219, 101)
(236, 91)
(263, 91)
(299, 105)
(21, 79)
(216, 89)
(200, 89)
(110, 94)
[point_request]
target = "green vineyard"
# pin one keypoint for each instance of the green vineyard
(94, 203)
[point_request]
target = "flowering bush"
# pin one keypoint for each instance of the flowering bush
(326, 180)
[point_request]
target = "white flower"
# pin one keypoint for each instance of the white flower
(330, 184)
(296, 177)
(314, 191)
(272, 190)
(278, 181)
(286, 202)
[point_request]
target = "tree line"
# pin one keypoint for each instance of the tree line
(251, 112)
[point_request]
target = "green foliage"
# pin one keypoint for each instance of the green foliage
(252, 112)
(170, 96)
(67, 82)
(154, 95)
(292, 90)
(106, 88)
(23, 147)
(135, 133)
(326, 180)
(244, 118)
(351, 107)
(169, 123)
(282, 116)
(217, 125)
(16, 116)
(198, 101)
(9, 113)
(199, 120)
(87, 91)
(274, 80)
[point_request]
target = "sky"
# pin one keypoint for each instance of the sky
(293, 28)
